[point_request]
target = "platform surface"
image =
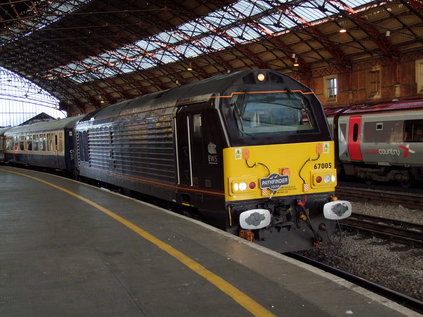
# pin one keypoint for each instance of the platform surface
(70, 249)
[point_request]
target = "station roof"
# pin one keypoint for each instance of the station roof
(91, 53)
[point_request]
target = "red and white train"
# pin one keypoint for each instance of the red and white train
(382, 143)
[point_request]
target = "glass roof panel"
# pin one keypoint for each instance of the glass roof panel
(55, 12)
(214, 31)
(188, 50)
(309, 14)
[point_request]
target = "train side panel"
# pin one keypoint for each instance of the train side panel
(134, 151)
(390, 144)
(37, 149)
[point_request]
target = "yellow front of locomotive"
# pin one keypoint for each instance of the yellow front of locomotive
(277, 195)
(279, 170)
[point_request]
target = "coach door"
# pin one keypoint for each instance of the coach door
(200, 146)
(354, 137)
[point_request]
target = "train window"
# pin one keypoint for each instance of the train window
(9, 143)
(413, 130)
(50, 147)
(355, 132)
(267, 113)
(379, 126)
(36, 142)
(196, 122)
(59, 142)
(29, 143)
(43, 145)
(22, 143)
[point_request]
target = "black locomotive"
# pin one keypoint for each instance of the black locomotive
(250, 151)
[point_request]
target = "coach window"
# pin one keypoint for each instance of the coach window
(29, 142)
(36, 141)
(59, 142)
(50, 146)
(22, 143)
(42, 142)
(9, 143)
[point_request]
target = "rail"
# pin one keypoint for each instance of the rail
(408, 200)
(402, 299)
(396, 230)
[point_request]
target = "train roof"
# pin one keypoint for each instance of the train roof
(3, 130)
(45, 126)
(383, 107)
(197, 91)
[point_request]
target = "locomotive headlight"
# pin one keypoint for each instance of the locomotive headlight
(261, 77)
(327, 179)
(333, 178)
(245, 185)
(242, 186)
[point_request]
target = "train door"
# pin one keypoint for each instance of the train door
(354, 137)
(200, 147)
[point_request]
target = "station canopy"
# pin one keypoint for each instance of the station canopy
(91, 53)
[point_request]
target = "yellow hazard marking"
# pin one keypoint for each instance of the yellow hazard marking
(238, 296)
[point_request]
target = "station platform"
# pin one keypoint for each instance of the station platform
(70, 249)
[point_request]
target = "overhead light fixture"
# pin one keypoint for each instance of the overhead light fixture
(189, 67)
(342, 30)
(388, 33)
(296, 64)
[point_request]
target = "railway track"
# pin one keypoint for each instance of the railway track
(395, 296)
(408, 200)
(396, 230)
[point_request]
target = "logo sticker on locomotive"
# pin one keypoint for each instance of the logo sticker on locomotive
(274, 181)
(326, 148)
(212, 157)
(238, 154)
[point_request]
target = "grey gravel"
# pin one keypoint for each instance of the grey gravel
(392, 265)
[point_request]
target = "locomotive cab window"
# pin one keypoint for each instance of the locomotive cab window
(268, 113)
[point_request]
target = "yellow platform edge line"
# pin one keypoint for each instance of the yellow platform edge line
(238, 296)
